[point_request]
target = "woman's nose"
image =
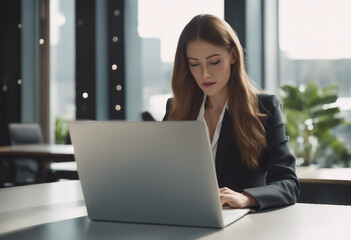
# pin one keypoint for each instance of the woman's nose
(205, 73)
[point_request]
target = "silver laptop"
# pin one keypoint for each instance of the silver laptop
(149, 172)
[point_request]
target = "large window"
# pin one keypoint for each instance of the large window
(314, 46)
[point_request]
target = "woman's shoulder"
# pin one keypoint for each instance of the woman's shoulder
(168, 105)
(267, 102)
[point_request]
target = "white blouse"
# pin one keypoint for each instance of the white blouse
(201, 117)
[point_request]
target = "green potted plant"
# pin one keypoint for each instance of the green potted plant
(310, 114)
(61, 131)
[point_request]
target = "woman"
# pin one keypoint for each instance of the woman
(254, 166)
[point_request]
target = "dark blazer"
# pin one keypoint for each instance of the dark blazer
(274, 182)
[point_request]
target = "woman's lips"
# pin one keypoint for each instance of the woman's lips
(208, 84)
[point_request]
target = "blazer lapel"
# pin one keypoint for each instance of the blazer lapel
(224, 141)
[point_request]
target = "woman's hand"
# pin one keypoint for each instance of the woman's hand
(235, 199)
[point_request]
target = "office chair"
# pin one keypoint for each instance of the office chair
(146, 116)
(27, 169)
(7, 173)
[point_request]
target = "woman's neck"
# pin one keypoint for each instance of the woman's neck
(216, 102)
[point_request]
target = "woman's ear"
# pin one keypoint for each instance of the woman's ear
(232, 55)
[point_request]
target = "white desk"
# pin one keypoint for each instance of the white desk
(313, 174)
(43, 152)
(45, 155)
(57, 211)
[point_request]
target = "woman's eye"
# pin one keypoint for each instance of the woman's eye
(215, 63)
(193, 64)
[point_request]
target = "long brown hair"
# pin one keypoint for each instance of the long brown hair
(249, 133)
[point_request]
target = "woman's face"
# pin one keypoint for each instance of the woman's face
(210, 65)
